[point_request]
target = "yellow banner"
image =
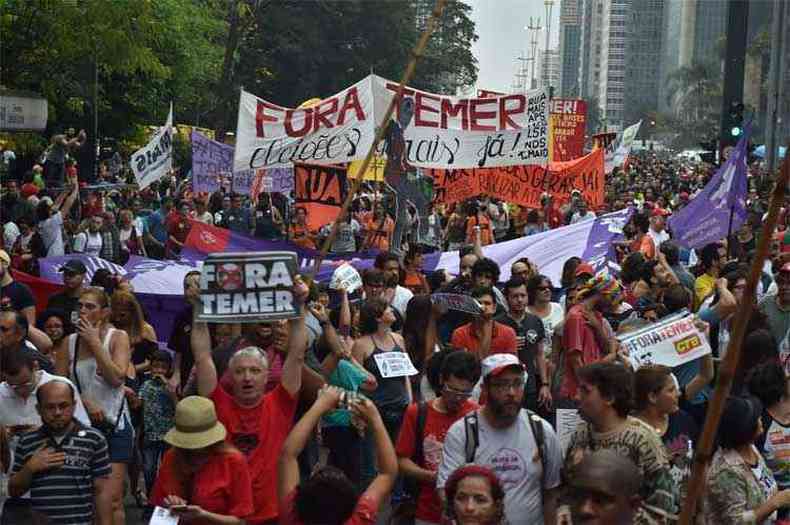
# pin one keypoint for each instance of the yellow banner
(375, 171)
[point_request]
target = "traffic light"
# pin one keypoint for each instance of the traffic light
(735, 120)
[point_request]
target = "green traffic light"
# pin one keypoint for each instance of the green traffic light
(736, 131)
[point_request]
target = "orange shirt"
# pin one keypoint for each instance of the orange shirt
(503, 340)
(416, 282)
(486, 234)
(259, 432)
(300, 236)
(378, 233)
(221, 486)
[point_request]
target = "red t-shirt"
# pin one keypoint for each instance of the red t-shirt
(578, 336)
(429, 507)
(177, 226)
(222, 486)
(364, 513)
(259, 433)
(503, 340)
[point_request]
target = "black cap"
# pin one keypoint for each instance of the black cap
(74, 266)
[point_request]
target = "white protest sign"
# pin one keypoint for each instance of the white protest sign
(394, 364)
(247, 287)
(670, 342)
(437, 131)
(346, 276)
(567, 421)
(162, 516)
(621, 148)
(151, 162)
(459, 302)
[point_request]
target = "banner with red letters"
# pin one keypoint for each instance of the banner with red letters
(436, 131)
(523, 185)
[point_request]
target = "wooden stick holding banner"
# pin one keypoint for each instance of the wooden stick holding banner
(727, 370)
(359, 177)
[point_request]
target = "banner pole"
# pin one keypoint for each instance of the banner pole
(729, 231)
(382, 129)
(704, 451)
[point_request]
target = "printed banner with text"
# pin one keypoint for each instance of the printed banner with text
(438, 131)
(523, 185)
(320, 190)
(211, 162)
(568, 124)
(151, 162)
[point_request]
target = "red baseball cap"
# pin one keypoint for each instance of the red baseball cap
(660, 212)
(495, 364)
(584, 269)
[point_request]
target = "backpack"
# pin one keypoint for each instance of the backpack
(472, 437)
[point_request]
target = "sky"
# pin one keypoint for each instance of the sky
(500, 24)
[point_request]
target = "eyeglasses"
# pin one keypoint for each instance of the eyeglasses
(505, 386)
(21, 386)
(544, 288)
(87, 306)
(460, 394)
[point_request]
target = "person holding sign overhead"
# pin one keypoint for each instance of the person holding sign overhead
(257, 423)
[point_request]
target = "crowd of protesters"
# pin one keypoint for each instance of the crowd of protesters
(225, 423)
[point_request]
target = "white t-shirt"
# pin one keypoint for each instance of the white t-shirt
(550, 322)
(206, 218)
(511, 453)
(88, 243)
(658, 237)
(578, 218)
(51, 231)
(17, 411)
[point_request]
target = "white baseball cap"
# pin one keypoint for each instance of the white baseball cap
(497, 363)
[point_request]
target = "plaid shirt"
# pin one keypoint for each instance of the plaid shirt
(111, 244)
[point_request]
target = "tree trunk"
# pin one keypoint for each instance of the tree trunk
(225, 90)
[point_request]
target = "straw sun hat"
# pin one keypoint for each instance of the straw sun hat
(196, 424)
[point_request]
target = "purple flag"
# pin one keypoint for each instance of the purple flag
(706, 218)
(211, 161)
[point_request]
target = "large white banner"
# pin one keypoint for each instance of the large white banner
(427, 131)
(151, 162)
(621, 148)
(21, 112)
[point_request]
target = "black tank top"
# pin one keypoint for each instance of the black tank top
(391, 392)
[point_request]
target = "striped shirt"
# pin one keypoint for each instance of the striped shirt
(66, 494)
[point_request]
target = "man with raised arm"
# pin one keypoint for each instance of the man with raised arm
(257, 424)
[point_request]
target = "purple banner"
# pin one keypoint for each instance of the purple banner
(706, 218)
(211, 161)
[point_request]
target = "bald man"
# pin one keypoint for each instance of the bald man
(604, 490)
(58, 461)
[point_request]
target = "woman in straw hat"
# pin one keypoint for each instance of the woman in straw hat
(202, 479)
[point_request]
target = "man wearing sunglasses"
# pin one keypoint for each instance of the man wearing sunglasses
(460, 371)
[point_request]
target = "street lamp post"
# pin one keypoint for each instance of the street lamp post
(549, 4)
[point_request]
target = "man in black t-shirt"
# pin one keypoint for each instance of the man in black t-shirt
(73, 283)
(530, 340)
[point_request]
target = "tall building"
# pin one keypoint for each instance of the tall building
(643, 59)
(611, 84)
(571, 12)
(549, 64)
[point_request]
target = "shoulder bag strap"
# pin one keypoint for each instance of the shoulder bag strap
(472, 431)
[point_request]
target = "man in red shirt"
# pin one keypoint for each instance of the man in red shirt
(484, 336)
(177, 229)
(460, 371)
(257, 423)
(587, 336)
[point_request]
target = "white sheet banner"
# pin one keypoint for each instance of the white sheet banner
(346, 276)
(621, 148)
(152, 162)
(437, 131)
(670, 342)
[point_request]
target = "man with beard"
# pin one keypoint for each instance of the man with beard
(90, 242)
(518, 445)
(63, 464)
(428, 422)
(605, 395)
(587, 336)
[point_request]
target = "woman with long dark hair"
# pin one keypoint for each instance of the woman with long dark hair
(419, 336)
